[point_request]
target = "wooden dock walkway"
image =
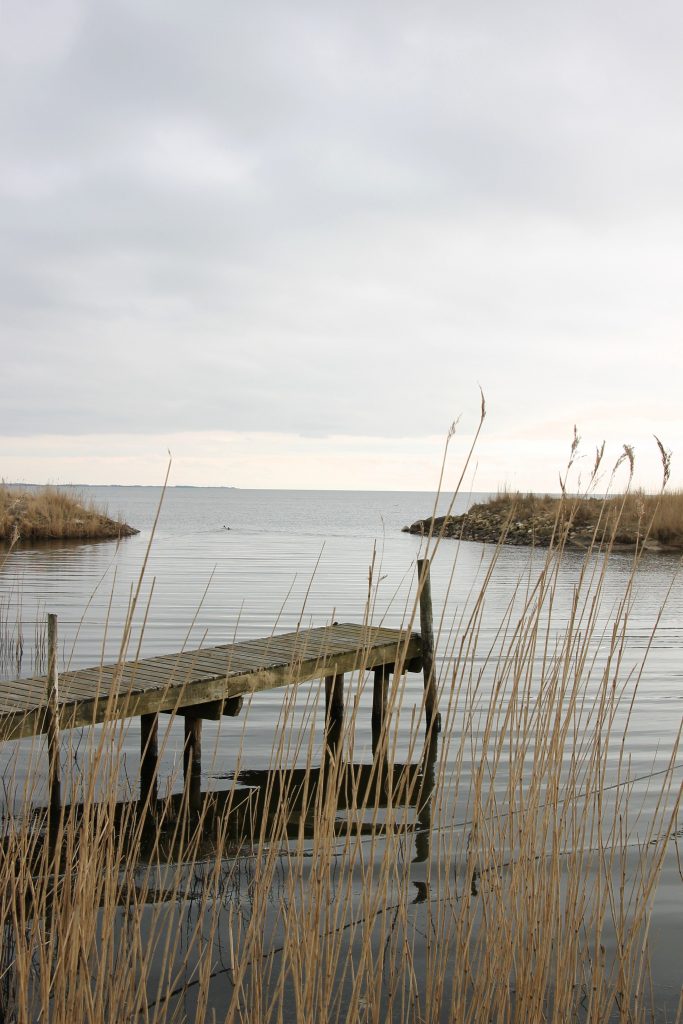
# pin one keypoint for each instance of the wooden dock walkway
(206, 684)
(199, 679)
(211, 682)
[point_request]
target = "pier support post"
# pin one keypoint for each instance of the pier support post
(425, 795)
(380, 692)
(334, 697)
(192, 762)
(149, 760)
(433, 718)
(52, 723)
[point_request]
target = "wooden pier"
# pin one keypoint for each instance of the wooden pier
(207, 683)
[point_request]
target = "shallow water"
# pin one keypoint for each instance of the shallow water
(228, 564)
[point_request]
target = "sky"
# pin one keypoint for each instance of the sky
(290, 242)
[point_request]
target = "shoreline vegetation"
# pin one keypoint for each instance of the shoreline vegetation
(48, 513)
(630, 521)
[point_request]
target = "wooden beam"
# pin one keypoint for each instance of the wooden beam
(232, 706)
(211, 710)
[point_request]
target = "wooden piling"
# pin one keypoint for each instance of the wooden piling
(192, 762)
(425, 795)
(380, 694)
(432, 716)
(334, 696)
(149, 759)
(52, 728)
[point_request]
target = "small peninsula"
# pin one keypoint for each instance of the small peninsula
(651, 521)
(49, 513)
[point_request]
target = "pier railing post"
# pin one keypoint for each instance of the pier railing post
(52, 728)
(433, 718)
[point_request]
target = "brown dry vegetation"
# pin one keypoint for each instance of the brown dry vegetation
(48, 513)
(634, 519)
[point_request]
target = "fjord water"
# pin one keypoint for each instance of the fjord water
(229, 564)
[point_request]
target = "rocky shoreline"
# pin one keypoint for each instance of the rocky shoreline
(527, 521)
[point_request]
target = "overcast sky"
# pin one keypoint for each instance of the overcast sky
(289, 241)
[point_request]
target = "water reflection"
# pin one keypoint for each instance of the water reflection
(346, 798)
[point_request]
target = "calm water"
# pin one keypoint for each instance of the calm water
(232, 564)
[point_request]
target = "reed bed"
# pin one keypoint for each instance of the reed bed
(50, 513)
(300, 899)
(634, 515)
(631, 519)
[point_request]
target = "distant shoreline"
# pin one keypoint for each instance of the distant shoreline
(79, 487)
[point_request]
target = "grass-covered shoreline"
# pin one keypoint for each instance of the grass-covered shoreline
(48, 513)
(633, 520)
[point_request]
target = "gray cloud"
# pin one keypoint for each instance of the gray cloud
(335, 217)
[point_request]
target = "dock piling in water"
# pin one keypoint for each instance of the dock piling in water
(334, 696)
(192, 762)
(433, 718)
(52, 729)
(149, 759)
(380, 693)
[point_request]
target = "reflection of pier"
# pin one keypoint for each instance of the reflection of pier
(274, 805)
(291, 799)
(269, 805)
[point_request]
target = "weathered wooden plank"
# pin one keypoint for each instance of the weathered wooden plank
(23, 702)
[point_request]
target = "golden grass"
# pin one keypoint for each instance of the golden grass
(48, 513)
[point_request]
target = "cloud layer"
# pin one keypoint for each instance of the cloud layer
(337, 219)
